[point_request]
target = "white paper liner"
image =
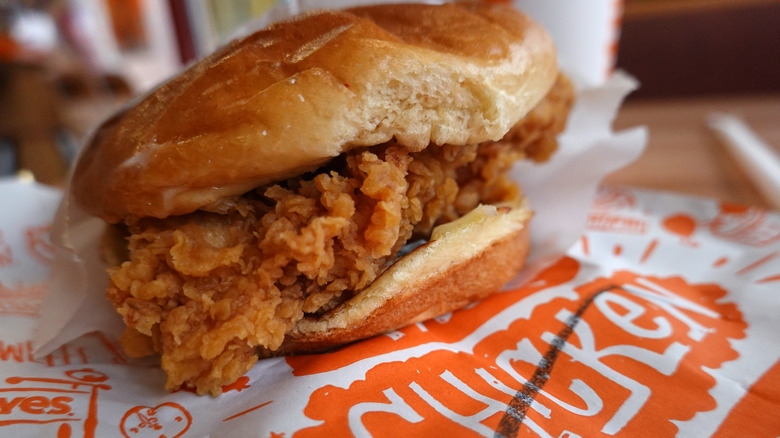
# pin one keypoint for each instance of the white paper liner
(560, 191)
(86, 387)
(719, 262)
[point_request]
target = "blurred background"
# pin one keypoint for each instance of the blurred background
(66, 64)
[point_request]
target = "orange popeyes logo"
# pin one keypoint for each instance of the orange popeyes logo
(38, 244)
(614, 198)
(48, 403)
(25, 299)
(609, 212)
(736, 223)
(22, 299)
(745, 225)
(551, 358)
(91, 348)
(168, 420)
(69, 407)
(36, 239)
(6, 254)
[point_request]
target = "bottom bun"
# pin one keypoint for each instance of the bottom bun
(465, 261)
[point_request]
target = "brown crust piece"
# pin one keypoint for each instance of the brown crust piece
(475, 257)
(286, 99)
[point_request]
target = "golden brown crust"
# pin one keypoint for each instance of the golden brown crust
(471, 260)
(290, 97)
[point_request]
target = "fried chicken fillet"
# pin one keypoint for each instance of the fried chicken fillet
(264, 196)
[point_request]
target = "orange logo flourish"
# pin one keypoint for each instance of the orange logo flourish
(169, 420)
(47, 402)
(614, 356)
(745, 225)
(24, 299)
(37, 238)
(6, 254)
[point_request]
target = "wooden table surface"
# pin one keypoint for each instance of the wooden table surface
(683, 155)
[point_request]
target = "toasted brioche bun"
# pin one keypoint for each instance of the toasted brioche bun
(289, 98)
(464, 261)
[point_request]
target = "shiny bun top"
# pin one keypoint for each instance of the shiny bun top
(287, 99)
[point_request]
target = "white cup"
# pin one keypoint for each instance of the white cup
(586, 33)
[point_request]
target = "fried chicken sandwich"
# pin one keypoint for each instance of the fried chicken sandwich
(265, 196)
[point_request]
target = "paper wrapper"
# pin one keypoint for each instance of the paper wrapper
(488, 368)
(660, 320)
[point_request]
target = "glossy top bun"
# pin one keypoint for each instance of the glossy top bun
(288, 98)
